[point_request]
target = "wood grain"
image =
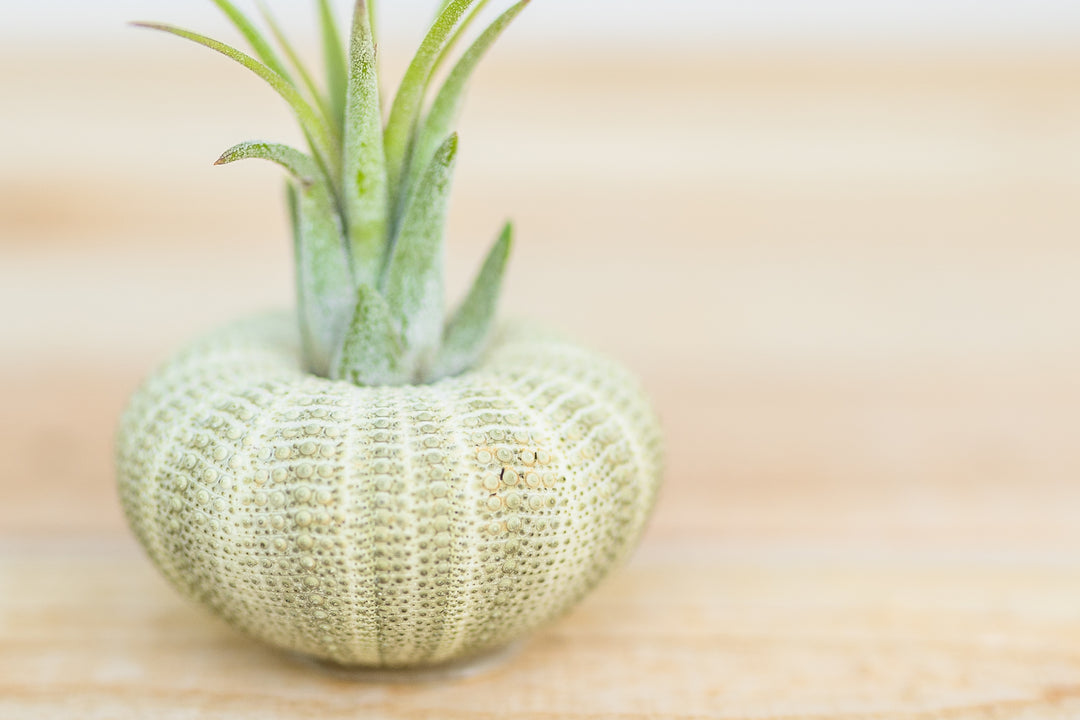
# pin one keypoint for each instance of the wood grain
(849, 281)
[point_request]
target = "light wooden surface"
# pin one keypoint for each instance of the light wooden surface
(849, 281)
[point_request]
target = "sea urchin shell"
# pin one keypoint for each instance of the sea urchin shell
(387, 526)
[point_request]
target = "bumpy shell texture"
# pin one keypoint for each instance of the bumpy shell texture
(391, 526)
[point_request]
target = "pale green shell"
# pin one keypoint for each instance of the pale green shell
(391, 526)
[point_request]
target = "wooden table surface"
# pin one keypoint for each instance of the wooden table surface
(850, 281)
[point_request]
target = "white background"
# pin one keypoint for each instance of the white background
(940, 22)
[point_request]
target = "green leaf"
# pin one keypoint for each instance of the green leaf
(258, 43)
(373, 20)
(365, 187)
(447, 105)
(324, 288)
(413, 283)
(371, 353)
(299, 165)
(468, 331)
(405, 112)
(337, 70)
(314, 127)
(458, 34)
(294, 58)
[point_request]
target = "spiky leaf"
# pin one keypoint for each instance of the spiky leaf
(313, 125)
(337, 69)
(365, 184)
(467, 333)
(447, 104)
(263, 50)
(294, 59)
(373, 18)
(324, 289)
(299, 165)
(407, 106)
(372, 351)
(463, 26)
(413, 284)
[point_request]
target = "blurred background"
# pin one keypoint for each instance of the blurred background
(837, 239)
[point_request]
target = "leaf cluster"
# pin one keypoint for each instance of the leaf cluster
(369, 199)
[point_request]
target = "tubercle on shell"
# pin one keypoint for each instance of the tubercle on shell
(387, 526)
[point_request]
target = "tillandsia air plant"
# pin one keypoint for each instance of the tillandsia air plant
(373, 481)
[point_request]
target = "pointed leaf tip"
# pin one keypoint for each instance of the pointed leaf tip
(301, 166)
(371, 353)
(467, 332)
